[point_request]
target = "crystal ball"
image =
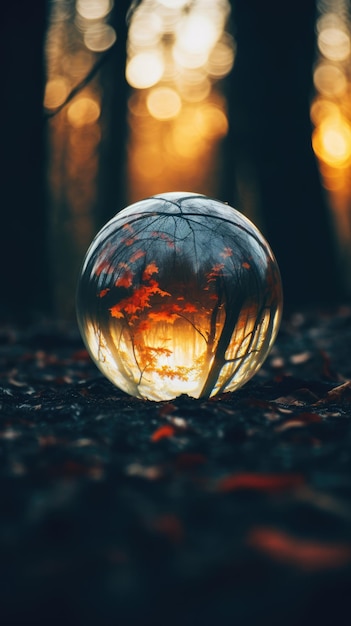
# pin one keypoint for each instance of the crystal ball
(179, 293)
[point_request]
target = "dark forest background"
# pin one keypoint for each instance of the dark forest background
(268, 149)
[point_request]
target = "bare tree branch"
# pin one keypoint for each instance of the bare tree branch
(83, 83)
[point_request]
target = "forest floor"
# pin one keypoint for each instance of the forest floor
(234, 510)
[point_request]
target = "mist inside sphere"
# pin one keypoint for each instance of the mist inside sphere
(179, 294)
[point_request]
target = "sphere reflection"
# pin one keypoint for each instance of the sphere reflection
(179, 294)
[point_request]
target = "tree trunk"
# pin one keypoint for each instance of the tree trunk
(23, 254)
(233, 309)
(113, 155)
(269, 149)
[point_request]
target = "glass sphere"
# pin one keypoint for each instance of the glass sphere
(179, 294)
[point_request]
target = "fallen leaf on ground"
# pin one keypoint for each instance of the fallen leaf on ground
(306, 554)
(259, 482)
(163, 432)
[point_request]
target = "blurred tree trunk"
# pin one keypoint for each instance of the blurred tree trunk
(115, 91)
(23, 254)
(269, 148)
(80, 204)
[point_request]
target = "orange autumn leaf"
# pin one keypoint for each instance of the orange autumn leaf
(143, 326)
(168, 312)
(125, 280)
(163, 236)
(128, 227)
(179, 372)
(103, 262)
(259, 482)
(149, 270)
(227, 252)
(154, 288)
(138, 301)
(306, 554)
(246, 265)
(133, 307)
(190, 308)
(164, 351)
(103, 266)
(215, 272)
(103, 292)
(116, 311)
(137, 255)
(163, 432)
(162, 316)
(148, 355)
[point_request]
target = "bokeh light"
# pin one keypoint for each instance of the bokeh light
(321, 109)
(174, 4)
(56, 91)
(77, 64)
(331, 118)
(163, 103)
(145, 69)
(194, 85)
(330, 110)
(211, 121)
(334, 43)
(79, 33)
(178, 53)
(221, 58)
(99, 37)
(83, 111)
(196, 34)
(93, 9)
(332, 141)
(330, 80)
(145, 30)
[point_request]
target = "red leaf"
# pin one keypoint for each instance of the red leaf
(103, 292)
(163, 432)
(137, 255)
(149, 270)
(226, 253)
(302, 553)
(170, 526)
(125, 280)
(128, 227)
(259, 482)
(215, 272)
(103, 266)
(116, 311)
(190, 308)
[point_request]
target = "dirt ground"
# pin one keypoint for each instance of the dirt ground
(234, 510)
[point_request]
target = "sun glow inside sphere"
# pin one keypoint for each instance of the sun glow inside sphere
(179, 294)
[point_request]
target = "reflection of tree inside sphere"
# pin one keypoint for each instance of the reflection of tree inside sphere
(178, 294)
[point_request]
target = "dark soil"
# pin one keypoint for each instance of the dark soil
(235, 510)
